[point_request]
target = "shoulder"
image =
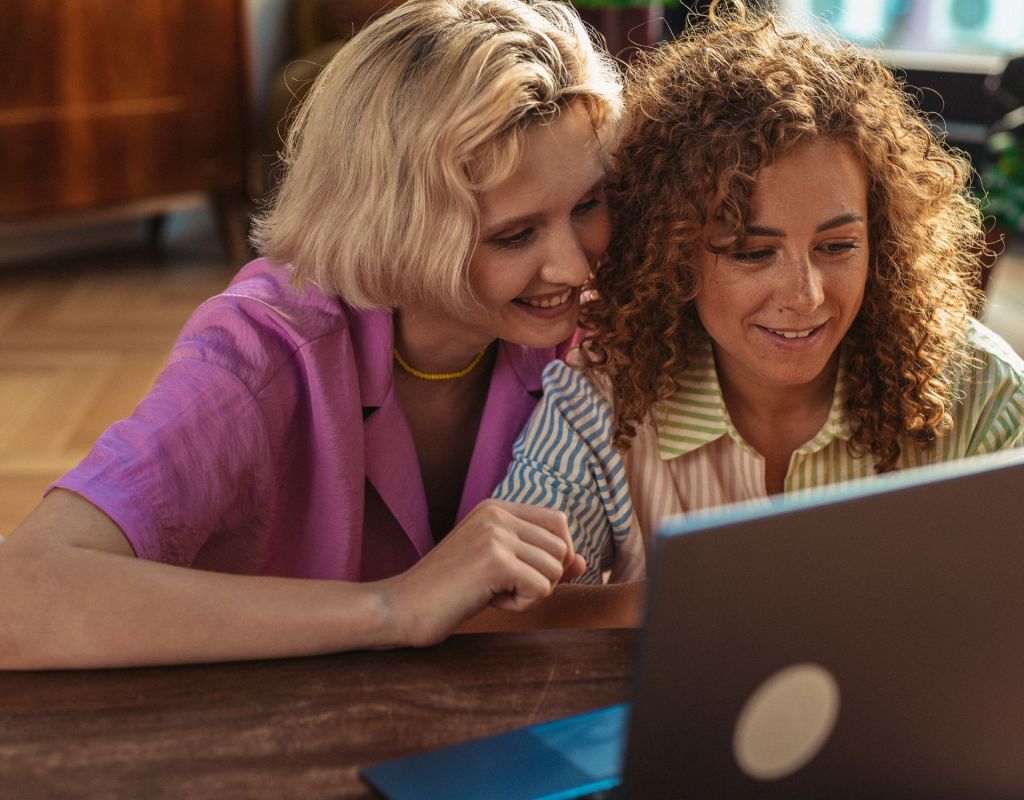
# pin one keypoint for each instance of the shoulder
(988, 342)
(997, 365)
(988, 414)
(570, 387)
(573, 418)
(261, 298)
(259, 323)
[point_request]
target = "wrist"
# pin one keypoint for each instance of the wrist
(386, 615)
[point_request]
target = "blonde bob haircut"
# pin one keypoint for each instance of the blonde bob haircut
(420, 112)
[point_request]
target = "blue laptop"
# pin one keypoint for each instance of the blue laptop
(865, 640)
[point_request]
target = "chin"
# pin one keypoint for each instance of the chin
(540, 342)
(540, 336)
(794, 380)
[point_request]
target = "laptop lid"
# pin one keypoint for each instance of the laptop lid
(861, 641)
(867, 641)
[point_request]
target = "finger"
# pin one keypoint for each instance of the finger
(570, 553)
(552, 522)
(539, 515)
(539, 558)
(576, 568)
(526, 587)
(505, 601)
(543, 539)
(550, 519)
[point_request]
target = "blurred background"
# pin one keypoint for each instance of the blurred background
(136, 138)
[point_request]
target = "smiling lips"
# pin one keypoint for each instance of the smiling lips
(800, 334)
(547, 300)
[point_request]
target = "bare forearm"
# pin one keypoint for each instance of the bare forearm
(75, 595)
(71, 607)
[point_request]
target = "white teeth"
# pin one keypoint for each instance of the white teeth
(793, 334)
(548, 302)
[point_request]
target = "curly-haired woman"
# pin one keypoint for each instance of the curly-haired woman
(787, 302)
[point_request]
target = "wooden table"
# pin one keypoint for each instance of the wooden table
(295, 727)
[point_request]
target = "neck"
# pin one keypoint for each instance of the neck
(763, 405)
(434, 344)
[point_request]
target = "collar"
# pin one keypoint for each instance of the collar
(391, 462)
(373, 336)
(695, 415)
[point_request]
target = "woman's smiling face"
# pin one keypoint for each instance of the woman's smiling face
(541, 232)
(778, 304)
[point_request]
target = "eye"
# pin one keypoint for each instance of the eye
(838, 248)
(586, 206)
(751, 256)
(516, 239)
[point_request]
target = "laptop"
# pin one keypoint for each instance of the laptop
(865, 640)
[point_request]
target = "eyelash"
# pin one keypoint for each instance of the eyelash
(756, 256)
(750, 256)
(839, 248)
(524, 236)
(586, 206)
(515, 240)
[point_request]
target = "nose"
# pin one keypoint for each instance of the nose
(799, 287)
(567, 261)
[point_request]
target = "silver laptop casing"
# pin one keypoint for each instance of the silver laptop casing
(908, 591)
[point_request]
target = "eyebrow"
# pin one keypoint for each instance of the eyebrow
(835, 222)
(533, 218)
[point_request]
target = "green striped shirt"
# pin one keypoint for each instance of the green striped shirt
(693, 458)
(989, 417)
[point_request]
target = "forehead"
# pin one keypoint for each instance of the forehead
(560, 160)
(822, 176)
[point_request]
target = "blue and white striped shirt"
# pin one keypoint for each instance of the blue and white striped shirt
(689, 455)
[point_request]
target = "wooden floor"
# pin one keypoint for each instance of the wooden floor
(82, 339)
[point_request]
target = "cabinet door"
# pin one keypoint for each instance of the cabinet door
(106, 101)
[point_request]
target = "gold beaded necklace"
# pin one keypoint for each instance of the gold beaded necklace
(439, 376)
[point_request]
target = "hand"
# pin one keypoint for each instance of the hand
(504, 554)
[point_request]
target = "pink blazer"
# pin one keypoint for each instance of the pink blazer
(273, 442)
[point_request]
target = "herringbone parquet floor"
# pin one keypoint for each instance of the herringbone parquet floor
(82, 339)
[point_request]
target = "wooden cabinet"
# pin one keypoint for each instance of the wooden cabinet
(105, 103)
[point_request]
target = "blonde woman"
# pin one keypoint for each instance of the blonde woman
(310, 471)
(786, 304)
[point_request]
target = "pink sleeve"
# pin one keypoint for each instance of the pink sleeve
(190, 461)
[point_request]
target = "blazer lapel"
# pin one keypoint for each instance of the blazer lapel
(392, 465)
(393, 468)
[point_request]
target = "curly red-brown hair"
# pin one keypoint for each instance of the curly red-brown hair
(704, 115)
